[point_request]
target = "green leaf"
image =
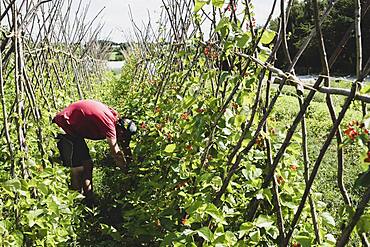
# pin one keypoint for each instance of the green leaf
(330, 238)
(218, 3)
(18, 236)
(199, 4)
(365, 89)
(219, 230)
(169, 239)
(305, 241)
(223, 25)
(13, 184)
(216, 182)
(243, 40)
(255, 236)
(205, 233)
(215, 213)
(328, 219)
(230, 238)
(239, 120)
(364, 223)
(111, 231)
(3, 229)
(43, 188)
(289, 204)
(264, 221)
(226, 131)
(170, 148)
(252, 172)
(268, 37)
(273, 232)
(363, 179)
(245, 228)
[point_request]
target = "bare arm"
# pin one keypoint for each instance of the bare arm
(122, 159)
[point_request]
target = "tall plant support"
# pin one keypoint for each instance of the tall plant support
(240, 61)
(43, 49)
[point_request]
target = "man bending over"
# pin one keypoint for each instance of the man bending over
(95, 121)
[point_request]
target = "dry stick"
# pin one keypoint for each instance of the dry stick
(37, 116)
(30, 13)
(346, 233)
(318, 161)
(41, 58)
(52, 54)
(329, 102)
(359, 71)
(347, 36)
(19, 93)
(53, 12)
(256, 101)
(299, 90)
(7, 10)
(75, 26)
(10, 51)
(164, 79)
(330, 105)
(260, 126)
(359, 47)
(187, 18)
(35, 68)
(5, 120)
(65, 29)
(283, 20)
(18, 124)
(83, 31)
(172, 19)
(251, 27)
(89, 26)
(254, 203)
(275, 189)
(45, 58)
(306, 163)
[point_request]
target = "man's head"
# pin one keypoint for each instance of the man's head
(125, 128)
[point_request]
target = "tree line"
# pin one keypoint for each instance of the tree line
(301, 21)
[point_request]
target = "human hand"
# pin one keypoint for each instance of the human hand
(121, 162)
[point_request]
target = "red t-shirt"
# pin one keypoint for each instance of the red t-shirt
(88, 119)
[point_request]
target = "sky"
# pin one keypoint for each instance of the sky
(116, 18)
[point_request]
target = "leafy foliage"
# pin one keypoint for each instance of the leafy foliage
(40, 211)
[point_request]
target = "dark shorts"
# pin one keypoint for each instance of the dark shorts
(73, 150)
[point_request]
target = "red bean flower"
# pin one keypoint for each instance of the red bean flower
(185, 116)
(189, 147)
(351, 132)
(367, 159)
(200, 110)
(231, 7)
(206, 51)
(293, 168)
(143, 125)
(280, 180)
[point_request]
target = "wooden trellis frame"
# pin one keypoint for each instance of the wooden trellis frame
(42, 42)
(180, 28)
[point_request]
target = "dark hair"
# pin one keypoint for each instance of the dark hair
(127, 124)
